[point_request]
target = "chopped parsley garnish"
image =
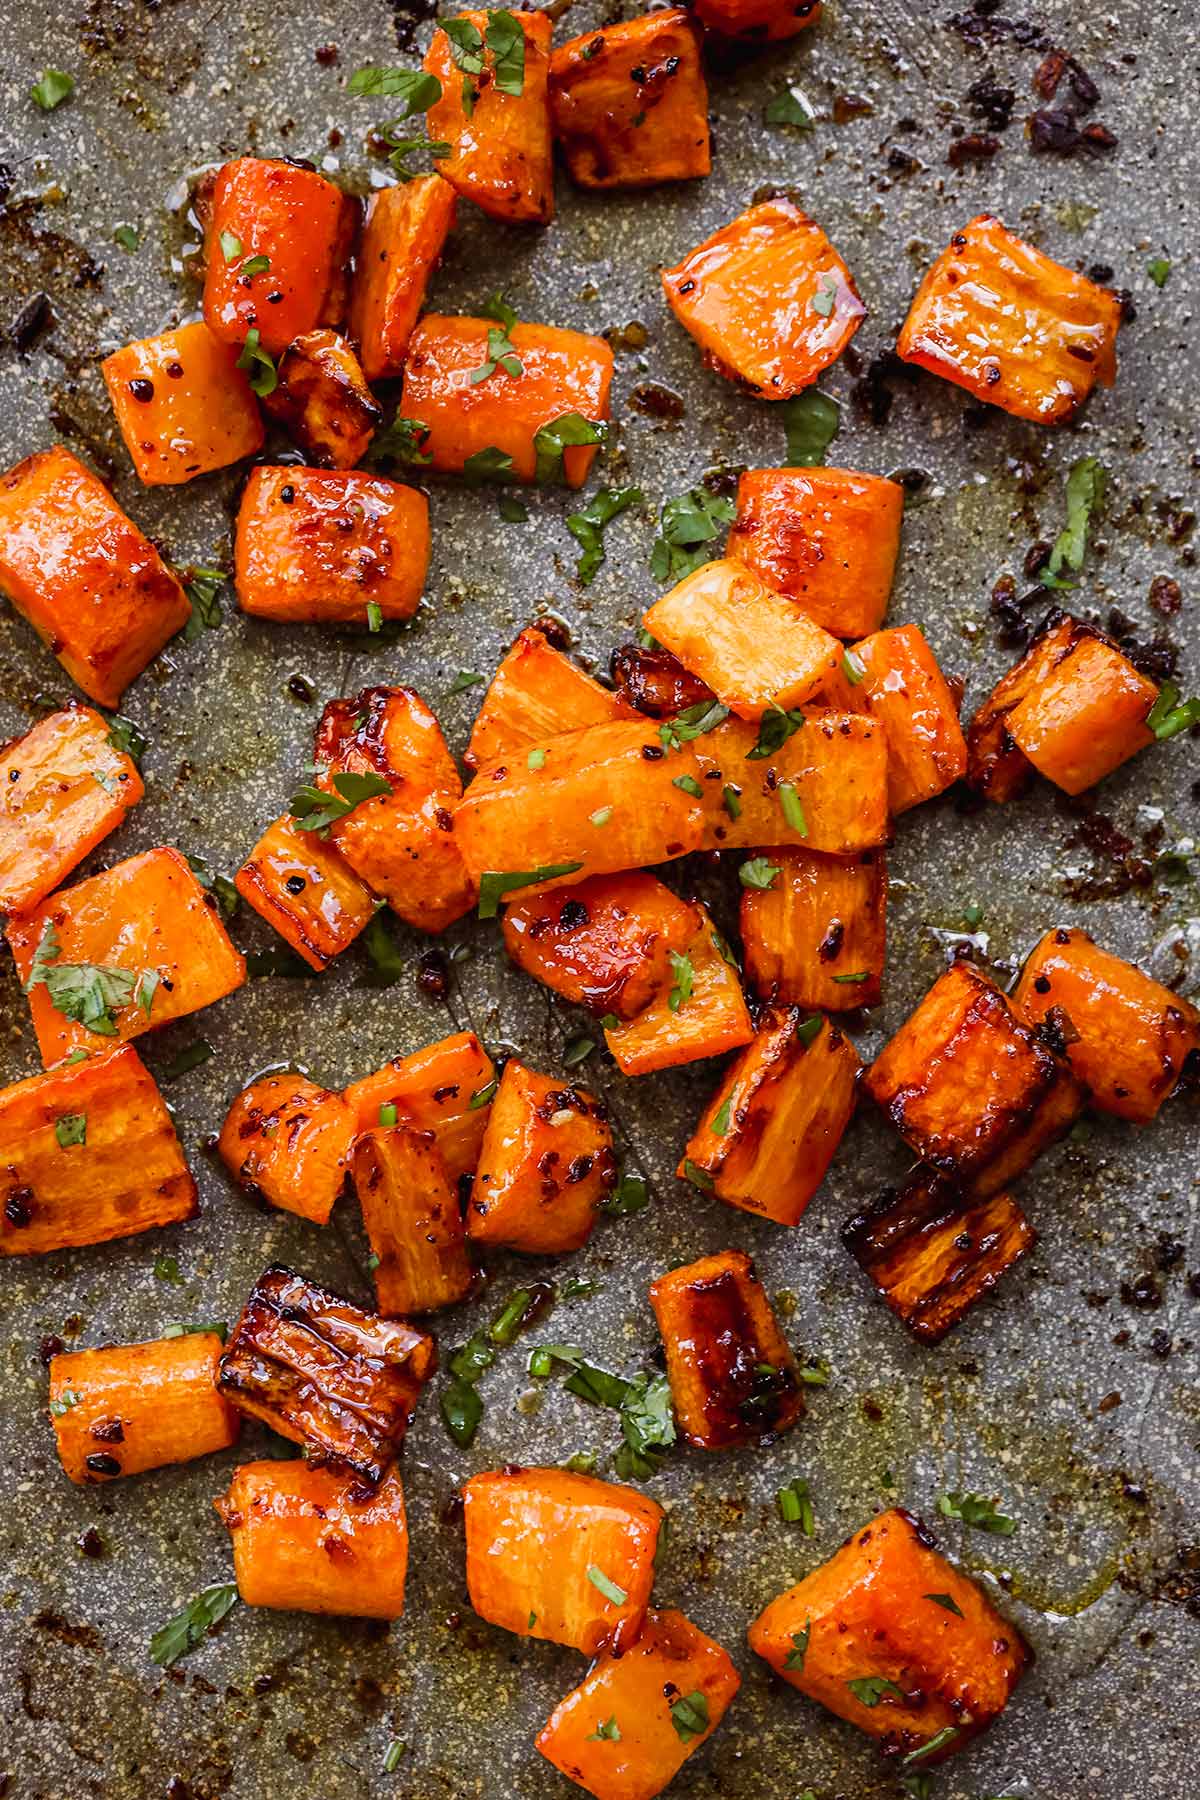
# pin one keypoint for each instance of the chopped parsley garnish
(166, 1268)
(758, 872)
(608, 1731)
(54, 87)
(793, 813)
(483, 1096)
(126, 238)
(685, 975)
(938, 1741)
(689, 785)
(600, 817)
(488, 464)
(258, 366)
(202, 587)
(790, 108)
(809, 1030)
(859, 975)
(505, 39)
(536, 759)
(852, 668)
(231, 246)
(1159, 271)
(123, 735)
(795, 1505)
(1085, 491)
(256, 265)
(689, 1715)
(698, 1177)
(810, 424)
(691, 723)
(568, 430)
(501, 351)
(609, 1589)
(720, 1119)
(977, 1510)
(313, 809)
(71, 1129)
(774, 729)
(190, 1057)
(947, 1602)
(494, 884)
(512, 509)
(196, 1620)
(466, 678)
(577, 1051)
(687, 526)
(870, 1689)
(402, 441)
(587, 527)
(414, 87)
(825, 298)
(66, 1400)
(90, 994)
(374, 616)
(1169, 715)
(629, 1196)
(388, 963)
(731, 800)
(796, 1655)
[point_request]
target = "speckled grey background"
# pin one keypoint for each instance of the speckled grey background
(1104, 1571)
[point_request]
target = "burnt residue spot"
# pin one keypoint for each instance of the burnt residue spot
(77, 1637)
(975, 147)
(984, 24)
(1156, 657)
(34, 318)
(433, 975)
(1118, 864)
(992, 102)
(875, 393)
(1142, 1292)
(1166, 596)
(658, 402)
(90, 1543)
(407, 17)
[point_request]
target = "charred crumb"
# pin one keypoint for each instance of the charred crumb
(1158, 658)
(875, 393)
(34, 317)
(975, 147)
(992, 102)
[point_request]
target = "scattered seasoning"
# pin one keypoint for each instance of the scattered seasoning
(609, 1731)
(600, 817)
(577, 1051)
(609, 1589)
(795, 1506)
(54, 87)
(629, 1196)
(720, 1120)
(494, 884)
(569, 430)
(388, 963)
(793, 813)
(315, 809)
(796, 1655)
(126, 238)
(870, 1689)
(123, 735)
(466, 678)
(947, 1601)
(774, 730)
(685, 974)
(689, 1715)
(190, 1626)
(977, 1510)
(686, 526)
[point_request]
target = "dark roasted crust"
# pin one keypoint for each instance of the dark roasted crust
(655, 682)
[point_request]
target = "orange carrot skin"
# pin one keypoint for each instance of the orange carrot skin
(63, 788)
(412, 1220)
(324, 401)
(768, 299)
(671, 1659)
(402, 241)
(604, 943)
(307, 1539)
(820, 925)
(766, 21)
(712, 1019)
(1128, 1037)
(444, 1088)
(996, 768)
(1013, 327)
(904, 689)
(304, 224)
(546, 1165)
(287, 1143)
(1086, 717)
(536, 693)
(501, 152)
(129, 1407)
(867, 1612)
(321, 546)
(837, 766)
(299, 884)
(127, 1176)
(532, 1536)
(148, 913)
(656, 683)
(183, 406)
(82, 574)
(561, 372)
(630, 103)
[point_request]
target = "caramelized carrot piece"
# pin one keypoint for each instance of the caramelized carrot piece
(306, 1539)
(501, 153)
(63, 787)
(766, 21)
(824, 788)
(402, 242)
(655, 682)
(129, 1407)
(151, 921)
(183, 406)
(82, 574)
(901, 685)
(768, 1135)
(323, 400)
(943, 1672)
(630, 104)
(1013, 327)
(816, 935)
(412, 1221)
(1086, 717)
(768, 299)
(559, 1556)
(287, 1142)
(445, 1088)
(546, 1165)
(88, 1152)
(536, 693)
(674, 1675)
(701, 1012)
(605, 943)
(310, 894)
(995, 766)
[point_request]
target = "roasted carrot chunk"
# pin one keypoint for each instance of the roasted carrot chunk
(761, 20)
(536, 693)
(183, 406)
(411, 1216)
(88, 1152)
(63, 787)
(1013, 327)
(546, 1164)
(400, 843)
(561, 373)
(133, 947)
(306, 1539)
(971, 1088)
(497, 126)
(931, 1252)
(630, 103)
(733, 1378)
(310, 894)
(325, 1374)
(869, 1635)
(768, 299)
(901, 685)
(129, 1407)
(287, 1142)
(93, 588)
(816, 780)
(814, 928)
(322, 547)
(995, 766)
(655, 682)
(827, 538)
(753, 648)
(402, 241)
(1125, 1036)
(604, 944)
(445, 1088)
(626, 1731)
(277, 243)
(323, 399)
(560, 1556)
(700, 1012)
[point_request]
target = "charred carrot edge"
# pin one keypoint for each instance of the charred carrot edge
(605, 943)
(412, 1220)
(287, 1142)
(299, 884)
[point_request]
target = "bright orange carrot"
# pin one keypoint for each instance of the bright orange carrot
(814, 928)
(546, 1165)
(445, 1088)
(412, 1220)
(605, 943)
(995, 766)
(824, 787)
(310, 894)
(765, 21)
(402, 241)
(630, 104)
(701, 1012)
(536, 693)
(323, 399)
(183, 406)
(129, 1407)
(287, 1142)
(498, 128)
(900, 684)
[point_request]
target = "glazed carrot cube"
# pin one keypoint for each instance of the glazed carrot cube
(827, 538)
(129, 1407)
(1125, 1036)
(320, 547)
(402, 241)
(497, 126)
(824, 788)
(277, 244)
(666, 1694)
(1013, 327)
(765, 21)
(562, 372)
(630, 104)
(306, 1539)
(88, 1152)
(299, 884)
(768, 1135)
(816, 935)
(768, 299)
(605, 944)
(536, 693)
(733, 1378)
(63, 787)
(323, 400)
(877, 1609)
(995, 766)
(132, 948)
(900, 685)
(93, 588)
(412, 1221)
(655, 682)
(445, 1088)
(401, 844)
(546, 1165)
(971, 1088)
(183, 406)
(325, 1374)
(560, 1556)
(752, 647)
(287, 1142)
(700, 1012)
(931, 1252)
(1085, 717)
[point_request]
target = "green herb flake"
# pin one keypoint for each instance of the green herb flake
(71, 1129)
(720, 1119)
(689, 785)
(731, 800)
(810, 424)
(392, 1755)
(938, 1741)
(689, 1715)
(191, 1625)
(796, 1655)
(853, 668)
(699, 1178)
(89, 994)
(166, 1268)
(258, 366)
(870, 1689)
(388, 963)
(693, 722)
(616, 1595)
(488, 464)
(1159, 271)
(206, 1328)
(758, 872)
(687, 527)
(774, 730)
(203, 587)
(825, 298)
(814, 1374)
(190, 1057)
(512, 509)
(790, 108)
(629, 1196)
(1169, 715)
(255, 265)
(461, 1409)
(466, 678)
(126, 238)
(231, 246)
(374, 616)
(505, 39)
(483, 1096)
(587, 527)
(793, 813)
(600, 817)
(1085, 492)
(536, 759)
(315, 809)
(403, 441)
(947, 1601)
(388, 1113)
(501, 354)
(505, 1328)
(972, 915)
(855, 979)
(54, 87)
(577, 1051)
(416, 90)
(569, 430)
(809, 1030)
(66, 1400)
(494, 884)
(795, 1506)
(608, 1732)
(976, 1510)
(685, 976)
(123, 735)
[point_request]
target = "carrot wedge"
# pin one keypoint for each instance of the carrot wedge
(182, 404)
(323, 400)
(824, 788)
(402, 241)
(412, 1220)
(130, 1407)
(536, 693)
(300, 885)
(501, 152)
(901, 686)
(701, 1012)
(287, 1142)
(813, 928)
(605, 943)
(630, 104)
(546, 1165)
(445, 1088)
(758, 21)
